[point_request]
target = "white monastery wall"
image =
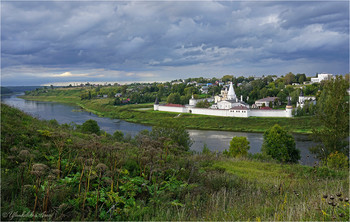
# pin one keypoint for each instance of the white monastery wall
(173, 109)
(269, 113)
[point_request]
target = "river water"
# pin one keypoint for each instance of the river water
(215, 140)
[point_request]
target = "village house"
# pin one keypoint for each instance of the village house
(321, 77)
(266, 101)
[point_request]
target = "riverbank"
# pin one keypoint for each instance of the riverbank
(136, 114)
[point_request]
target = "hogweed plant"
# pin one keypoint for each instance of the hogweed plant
(335, 207)
(39, 171)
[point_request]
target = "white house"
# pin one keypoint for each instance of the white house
(266, 101)
(321, 77)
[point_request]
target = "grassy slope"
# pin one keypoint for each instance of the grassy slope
(249, 190)
(294, 188)
(131, 113)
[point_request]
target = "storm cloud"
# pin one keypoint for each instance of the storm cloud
(47, 42)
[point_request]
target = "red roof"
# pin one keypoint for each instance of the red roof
(174, 105)
(265, 108)
(267, 99)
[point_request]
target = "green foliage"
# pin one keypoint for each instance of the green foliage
(174, 98)
(332, 115)
(177, 133)
(289, 78)
(206, 150)
(337, 161)
(280, 145)
(203, 104)
(103, 179)
(239, 146)
(118, 135)
(90, 126)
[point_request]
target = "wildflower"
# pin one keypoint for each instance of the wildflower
(325, 196)
(341, 199)
(331, 197)
(338, 194)
(324, 213)
(341, 215)
(346, 199)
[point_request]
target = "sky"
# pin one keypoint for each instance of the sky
(62, 42)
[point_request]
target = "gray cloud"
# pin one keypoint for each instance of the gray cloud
(167, 40)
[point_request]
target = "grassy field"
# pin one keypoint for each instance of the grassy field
(287, 192)
(134, 113)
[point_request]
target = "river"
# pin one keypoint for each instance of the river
(215, 140)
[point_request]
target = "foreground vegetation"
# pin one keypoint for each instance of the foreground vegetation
(56, 172)
(138, 113)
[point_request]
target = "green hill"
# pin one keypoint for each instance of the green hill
(56, 172)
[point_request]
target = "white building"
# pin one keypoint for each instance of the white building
(266, 101)
(321, 77)
(231, 107)
(303, 99)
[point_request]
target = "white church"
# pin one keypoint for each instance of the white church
(226, 104)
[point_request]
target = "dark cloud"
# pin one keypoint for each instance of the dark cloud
(144, 41)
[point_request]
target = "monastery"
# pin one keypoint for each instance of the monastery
(227, 104)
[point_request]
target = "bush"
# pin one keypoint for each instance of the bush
(118, 135)
(206, 150)
(239, 146)
(337, 161)
(90, 126)
(280, 145)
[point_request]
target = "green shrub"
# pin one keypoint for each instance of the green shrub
(239, 146)
(280, 145)
(206, 150)
(337, 161)
(90, 126)
(118, 135)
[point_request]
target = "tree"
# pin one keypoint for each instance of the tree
(203, 104)
(90, 126)
(282, 95)
(289, 78)
(227, 78)
(239, 146)
(174, 98)
(301, 78)
(332, 114)
(177, 133)
(117, 101)
(118, 135)
(280, 145)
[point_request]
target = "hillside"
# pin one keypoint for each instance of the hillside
(56, 172)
